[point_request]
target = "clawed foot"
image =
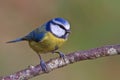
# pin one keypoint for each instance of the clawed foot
(61, 55)
(43, 66)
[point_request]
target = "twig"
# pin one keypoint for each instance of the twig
(56, 63)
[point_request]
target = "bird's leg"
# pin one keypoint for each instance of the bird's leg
(60, 54)
(42, 64)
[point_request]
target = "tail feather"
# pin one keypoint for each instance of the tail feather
(16, 40)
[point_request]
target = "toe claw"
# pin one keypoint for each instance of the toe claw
(61, 55)
(43, 66)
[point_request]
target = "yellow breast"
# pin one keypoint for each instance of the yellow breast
(47, 44)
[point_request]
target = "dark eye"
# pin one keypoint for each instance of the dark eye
(61, 26)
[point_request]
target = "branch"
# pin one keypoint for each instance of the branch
(56, 63)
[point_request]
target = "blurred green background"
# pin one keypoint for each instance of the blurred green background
(94, 23)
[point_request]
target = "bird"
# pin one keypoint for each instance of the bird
(47, 38)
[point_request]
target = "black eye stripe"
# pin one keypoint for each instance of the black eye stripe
(61, 26)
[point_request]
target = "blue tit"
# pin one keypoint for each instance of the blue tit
(47, 38)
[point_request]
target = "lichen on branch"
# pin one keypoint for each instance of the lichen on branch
(57, 63)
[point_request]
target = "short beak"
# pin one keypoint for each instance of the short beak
(68, 31)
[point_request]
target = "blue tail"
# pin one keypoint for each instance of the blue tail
(16, 40)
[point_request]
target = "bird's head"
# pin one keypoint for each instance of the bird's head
(58, 27)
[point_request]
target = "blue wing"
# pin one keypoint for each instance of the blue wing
(34, 35)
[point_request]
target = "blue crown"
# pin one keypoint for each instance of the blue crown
(61, 21)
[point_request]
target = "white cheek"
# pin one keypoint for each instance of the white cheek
(57, 30)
